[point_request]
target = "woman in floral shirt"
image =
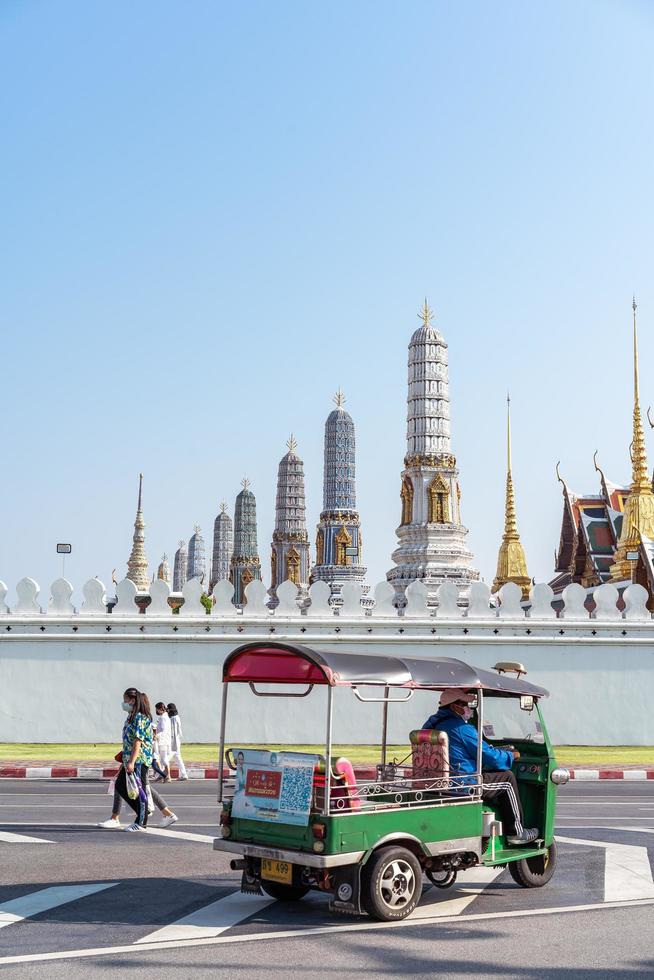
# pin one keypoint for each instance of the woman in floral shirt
(137, 752)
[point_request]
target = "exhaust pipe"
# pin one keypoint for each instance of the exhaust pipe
(239, 864)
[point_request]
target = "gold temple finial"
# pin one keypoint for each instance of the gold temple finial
(339, 398)
(560, 478)
(426, 314)
(638, 516)
(245, 483)
(511, 561)
(196, 529)
(292, 444)
(140, 491)
(223, 507)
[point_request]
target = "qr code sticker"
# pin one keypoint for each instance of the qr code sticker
(295, 795)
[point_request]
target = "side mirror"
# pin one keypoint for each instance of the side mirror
(527, 702)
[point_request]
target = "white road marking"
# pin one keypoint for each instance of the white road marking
(438, 902)
(627, 872)
(364, 926)
(212, 920)
(7, 838)
(46, 898)
(183, 835)
(640, 799)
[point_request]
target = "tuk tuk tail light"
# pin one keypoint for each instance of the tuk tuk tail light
(319, 831)
(319, 846)
(560, 776)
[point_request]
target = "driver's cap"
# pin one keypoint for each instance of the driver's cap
(456, 694)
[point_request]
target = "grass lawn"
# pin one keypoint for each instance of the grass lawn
(71, 752)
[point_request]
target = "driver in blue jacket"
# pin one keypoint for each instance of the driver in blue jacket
(499, 786)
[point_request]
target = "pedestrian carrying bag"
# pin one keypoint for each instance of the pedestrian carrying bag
(133, 785)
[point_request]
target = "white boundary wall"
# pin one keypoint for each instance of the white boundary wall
(63, 672)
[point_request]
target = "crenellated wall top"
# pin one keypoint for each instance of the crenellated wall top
(595, 613)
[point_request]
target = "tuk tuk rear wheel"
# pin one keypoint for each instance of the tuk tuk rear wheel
(284, 893)
(534, 872)
(391, 884)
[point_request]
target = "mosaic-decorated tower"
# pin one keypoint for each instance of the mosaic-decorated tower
(163, 572)
(196, 564)
(245, 565)
(223, 545)
(137, 565)
(431, 539)
(290, 543)
(339, 541)
(180, 567)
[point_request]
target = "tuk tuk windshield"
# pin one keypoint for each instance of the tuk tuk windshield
(504, 719)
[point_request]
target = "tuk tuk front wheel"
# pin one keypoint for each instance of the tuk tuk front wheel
(391, 884)
(534, 872)
(284, 893)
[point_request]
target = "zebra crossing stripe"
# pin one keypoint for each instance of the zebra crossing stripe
(7, 838)
(45, 899)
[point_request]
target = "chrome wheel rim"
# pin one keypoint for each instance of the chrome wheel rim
(397, 884)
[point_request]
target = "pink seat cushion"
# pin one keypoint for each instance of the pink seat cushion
(345, 769)
(430, 753)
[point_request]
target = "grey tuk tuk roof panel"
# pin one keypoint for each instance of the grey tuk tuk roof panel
(258, 662)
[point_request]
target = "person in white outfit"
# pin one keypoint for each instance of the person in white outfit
(163, 738)
(176, 739)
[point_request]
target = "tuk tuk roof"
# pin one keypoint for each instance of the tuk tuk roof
(289, 663)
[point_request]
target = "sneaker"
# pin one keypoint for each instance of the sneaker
(528, 836)
(110, 824)
(167, 821)
(182, 779)
(133, 827)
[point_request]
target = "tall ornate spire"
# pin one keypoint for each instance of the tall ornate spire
(137, 566)
(196, 566)
(245, 564)
(338, 540)
(289, 557)
(431, 538)
(180, 566)
(163, 572)
(223, 546)
(511, 561)
(638, 516)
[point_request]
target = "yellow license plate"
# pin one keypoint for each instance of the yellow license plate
(277, 871)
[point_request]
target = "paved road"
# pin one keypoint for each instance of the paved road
(116, 904)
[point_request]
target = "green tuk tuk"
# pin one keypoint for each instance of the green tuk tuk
(299, 821)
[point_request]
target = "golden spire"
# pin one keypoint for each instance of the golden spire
(426, 314)
(511, 561)
(638, 516)
(245, 483)
(292, 444)
(339, 398)
(223, 507)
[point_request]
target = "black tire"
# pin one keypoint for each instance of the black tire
(284, 893)
(441, 879)
(391, 884)
(536, 871)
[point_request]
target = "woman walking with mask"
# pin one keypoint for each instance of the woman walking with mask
(137, 753)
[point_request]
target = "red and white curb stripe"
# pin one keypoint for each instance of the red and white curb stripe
(90, 772)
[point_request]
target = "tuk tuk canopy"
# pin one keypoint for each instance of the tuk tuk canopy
(286, 663)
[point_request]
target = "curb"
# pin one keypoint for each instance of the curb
(89, 772)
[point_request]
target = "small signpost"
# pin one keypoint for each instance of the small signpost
(63, 550)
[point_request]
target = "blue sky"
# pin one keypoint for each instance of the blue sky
(215, 214)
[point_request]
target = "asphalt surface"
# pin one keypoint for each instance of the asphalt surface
(117, 904)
